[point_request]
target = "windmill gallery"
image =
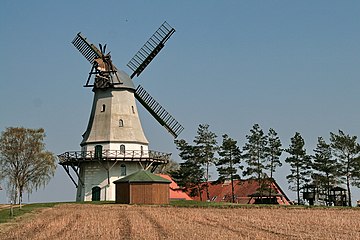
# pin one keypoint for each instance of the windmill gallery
(114, 144)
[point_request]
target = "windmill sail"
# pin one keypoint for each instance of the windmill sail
(158, 112)
(88, 50)
(150, 49)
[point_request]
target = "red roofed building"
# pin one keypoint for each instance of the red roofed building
(176, 193)
(245, 191)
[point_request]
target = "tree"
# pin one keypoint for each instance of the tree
(325, 166)
(255, 155)
(24, 162)
(171, 166)
(300, 164)
(190, 175)
(273, 153)
(347, 152)
(206, 144)
(227, 164)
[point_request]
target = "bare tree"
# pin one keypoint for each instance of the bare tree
(24, 163)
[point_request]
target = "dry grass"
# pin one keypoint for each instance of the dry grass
(110, 221)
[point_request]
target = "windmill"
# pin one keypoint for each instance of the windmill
(114, 144)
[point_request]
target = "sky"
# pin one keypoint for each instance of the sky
(288, 65)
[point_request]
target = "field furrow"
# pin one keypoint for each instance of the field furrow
(112, 221)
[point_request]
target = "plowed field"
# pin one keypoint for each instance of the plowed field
(111, 221)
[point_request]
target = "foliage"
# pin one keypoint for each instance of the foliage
(206, 144)
(190, 175)
(24, 162)
(300, 164)
(227, 164)
(255, 155)
(325, 167)
(170, 167)
(273, 153)
(347, 152)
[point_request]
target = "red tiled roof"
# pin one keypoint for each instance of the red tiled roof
(175, 191)
(221, 192)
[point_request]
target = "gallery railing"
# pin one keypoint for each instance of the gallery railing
(114, 155)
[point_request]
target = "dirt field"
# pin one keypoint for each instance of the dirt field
(110, 221)
(2, 206)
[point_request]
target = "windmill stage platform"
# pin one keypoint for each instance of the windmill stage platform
(147, 159)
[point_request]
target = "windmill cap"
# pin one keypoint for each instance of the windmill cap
(125, 80)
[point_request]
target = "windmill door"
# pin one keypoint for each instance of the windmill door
(95, 193)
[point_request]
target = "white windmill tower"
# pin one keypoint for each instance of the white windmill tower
(114, 144)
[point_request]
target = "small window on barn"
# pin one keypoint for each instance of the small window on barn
(103, 108)
(122, 170)
(213, 198)
(121, 123)
(122, 149)
(132, 109)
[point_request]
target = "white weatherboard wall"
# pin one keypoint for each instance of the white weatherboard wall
(95, 175)
(114, 121)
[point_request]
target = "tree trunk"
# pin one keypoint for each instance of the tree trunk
(271, 178)
(348, 189)
(232, 188)
(20, 195)
(348, 180)
(207, 181)
(327, 190)
(298, 184)
(199, 192)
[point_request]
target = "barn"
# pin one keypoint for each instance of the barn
(142, 187)
(176, 192)
(245, 191)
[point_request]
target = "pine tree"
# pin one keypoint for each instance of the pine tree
(273, 153)
(325, 166)
(206, 144)
(300, 164)
(190, 175)
(347, 152)
(255, 155)
(227, 164)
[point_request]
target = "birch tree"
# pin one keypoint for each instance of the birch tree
(25, 164)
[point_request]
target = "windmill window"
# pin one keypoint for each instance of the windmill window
(103, 108)
(142, 150)
(122, 149)
(132, 109)
(122, 170)
(121, 123)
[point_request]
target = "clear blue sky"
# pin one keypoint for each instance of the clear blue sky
(289, 65)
